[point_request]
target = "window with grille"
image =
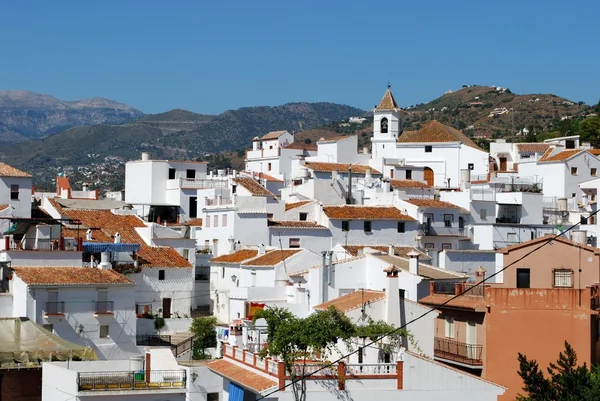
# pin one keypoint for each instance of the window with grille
(294, 243)
(448, 219)
(14, 192)
(563, 278)
(449, 327)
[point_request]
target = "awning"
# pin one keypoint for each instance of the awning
(97, 247)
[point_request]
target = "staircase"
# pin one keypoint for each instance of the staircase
(181, 345)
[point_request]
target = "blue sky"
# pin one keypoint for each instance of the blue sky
(210, 56)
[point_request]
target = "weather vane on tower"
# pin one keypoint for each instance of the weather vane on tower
(389, 85)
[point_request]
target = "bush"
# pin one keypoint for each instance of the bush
(204, 329)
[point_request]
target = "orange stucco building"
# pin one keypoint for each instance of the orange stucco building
(484, 331)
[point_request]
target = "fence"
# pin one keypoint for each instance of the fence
(140, 380)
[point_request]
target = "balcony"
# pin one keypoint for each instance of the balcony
(444, 288)
(441, 230)
(103, 308)
(155, 380)
(54, 309)
(46, 244)
(196, 183)
(218, 201)
(450, 350)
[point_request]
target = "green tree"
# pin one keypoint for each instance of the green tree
(589, 129)
(566, 382)
(203, 329)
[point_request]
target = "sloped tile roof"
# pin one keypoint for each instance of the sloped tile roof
(267, 177)
(432, 203)
(70, 276)
(353, 212)
(105, 224)
(340, 167)
(352, 301)
(595, 152)
(335, 138)
(236, 257)
(470, 302)
(193, 222)
(423, 270)
(293, 224)
(272, 258)
(302, 146)
(273, 135)
(10, 171)
(252, 186)
(290, 206)
(2, 207)
(549, 237)
(398, 250)
(239, 374)
(408, 184)
(532, 147)
(433, 132)
(388, 102)
(560, 156)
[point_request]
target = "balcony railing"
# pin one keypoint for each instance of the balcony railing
(441, 287)
(218, 201)
(55, 308)
(153, 340)
(200, 183)
(104, 307)
(47, 244)
(155, 380)
(441, 230)
(448, 349)
(445, 288)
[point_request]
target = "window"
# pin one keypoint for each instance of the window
(384, 125)
(212, 397)
(269, 166)
(224, 220)
(294, 243)
(428, 149)
(523, 278)
(49, 327)
(186, 254)
(215, 221)
(161, 275)
(563, 278)
(171, 174)
(511, 238)
(367, 226)
(573, 170)
(471, 166)
(448, 220)
(269, 216)
(449, 327)
(345, 225)
(483, 214)
(14, 192)
(303, 216)
(525, 156)
(189, 173)
(446, 245)
(104, 331)
(223, 272)
(409, 174)
(429, 245)
(401, 227)
(207, 221)
(233, 189)
(392, 173)
(428, 217)
(593, 172)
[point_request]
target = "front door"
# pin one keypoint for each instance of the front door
(428, 175)
(472, 340)
(503, 164)
(166, 308)
(193, 207)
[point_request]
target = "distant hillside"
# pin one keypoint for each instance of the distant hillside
(470, 109)
(97, 153)
(27, 115)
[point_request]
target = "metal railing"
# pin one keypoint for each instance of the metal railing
(441, 287)
(140, 380)
(104, 307)
(55, 308)
(183, 346)
(218, 201)
(201, 183)
(433, 230)
(153, 340)
(456, 351)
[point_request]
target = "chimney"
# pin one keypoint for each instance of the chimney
(105, 261)
(391, 250)
(479, 274)
(117, 238)
(261, 249)
(324, 281)
(392, 297)
(85, 187)
(145, 156)
(413, 262)
(365, 150)
(368, 173)
(88, 234)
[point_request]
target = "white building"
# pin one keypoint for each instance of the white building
(88, 306)
(507, 155)
(15, 193)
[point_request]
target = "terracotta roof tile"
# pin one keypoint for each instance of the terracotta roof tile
(560, 156)
(10, 171)
(105, 224)
(595, 152)
(340, 167)
(290, 206)
(549, 237)
(352, 212)
(408, 184)
(252, 186)
(239, 374)
(55, 204)
(471, 302)
(352, 301)
(426, 271)
(63, 182)
(2, 207)
(403, 251)
(532, 147)
(236, 257)
(302, 146)
(272, 258)
(388, 102)
(335, 138)
(433, 132)
(432, 203)
(294, 224)
(546, 154)
(272, 135)
(267, 177)
(193, 222)
(70, 276)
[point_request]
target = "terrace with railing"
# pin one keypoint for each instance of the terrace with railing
(218, 201)
(442, 230)
(445, 288)
(133, 380)
(448, 349)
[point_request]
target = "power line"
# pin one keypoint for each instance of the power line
(469, 288)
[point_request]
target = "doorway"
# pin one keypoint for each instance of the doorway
(166, 307)
(472, 340)
(193, 207)
(428, 175)
(503, 164)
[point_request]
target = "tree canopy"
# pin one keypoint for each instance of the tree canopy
(203, 329)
